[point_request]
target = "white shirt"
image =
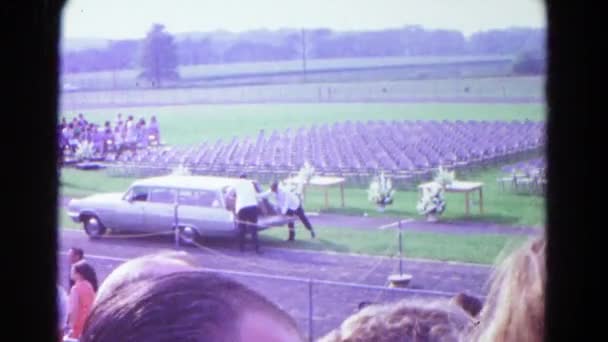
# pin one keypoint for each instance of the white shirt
(285, 199)
(246, 196)
(130, 136)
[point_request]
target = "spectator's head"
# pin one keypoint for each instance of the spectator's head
(274, 187)
(148, 266)
(75, 254)
(130, 117)
(406, 320)
(514, 309)
(153, 119)
(243, 176)
(187, 306)
(107, 124)
(83, 271)
(468, 303)
(80, 116)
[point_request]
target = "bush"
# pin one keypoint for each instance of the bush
(529, 63)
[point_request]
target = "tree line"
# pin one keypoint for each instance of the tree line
(212, 48)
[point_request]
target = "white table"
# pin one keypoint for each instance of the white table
(324, 183)
(462, 187)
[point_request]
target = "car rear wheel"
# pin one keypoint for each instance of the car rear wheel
(93, 227)
(187, 236)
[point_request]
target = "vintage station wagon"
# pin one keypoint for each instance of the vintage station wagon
(191, 205)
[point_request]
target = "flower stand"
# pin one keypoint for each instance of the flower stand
(399, 280)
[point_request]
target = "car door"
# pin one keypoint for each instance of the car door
(159, 211)
(129, 215)
(204, 210)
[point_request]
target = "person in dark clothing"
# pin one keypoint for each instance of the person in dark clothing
(74, 255)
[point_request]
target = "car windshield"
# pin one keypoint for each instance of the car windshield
(137, 193)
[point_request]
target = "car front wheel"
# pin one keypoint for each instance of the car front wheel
(93, 227)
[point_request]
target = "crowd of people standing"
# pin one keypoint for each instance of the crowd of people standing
(123, 134)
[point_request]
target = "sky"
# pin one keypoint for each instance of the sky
(127, 19)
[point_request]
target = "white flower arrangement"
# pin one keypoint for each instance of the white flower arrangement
(444, 177)
(381, 190)
(181, 170)
(432, 201)
(84, 151)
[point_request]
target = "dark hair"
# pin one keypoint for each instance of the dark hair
(274, 185)
(470, 304)
(243, 175)
(78, 252)
(87, 272)
(182, 306)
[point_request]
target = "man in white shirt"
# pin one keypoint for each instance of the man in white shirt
(290, 204)
(246, 209)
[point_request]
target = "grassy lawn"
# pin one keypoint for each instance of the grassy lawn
(481, 249)
(193, 124)
(499, 207)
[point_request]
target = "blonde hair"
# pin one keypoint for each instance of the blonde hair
(514, 309)
(401, 321)
(145, 267)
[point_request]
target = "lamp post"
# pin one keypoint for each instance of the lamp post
(401, 279)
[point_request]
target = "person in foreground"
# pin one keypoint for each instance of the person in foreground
(184, 304)
(148, 266)
(82, 296)
(515, 306)
(513, 311)
(405, 320)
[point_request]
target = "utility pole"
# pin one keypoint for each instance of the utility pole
(303, 44)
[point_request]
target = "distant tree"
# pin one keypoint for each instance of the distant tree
(159, 56)
(122, 54)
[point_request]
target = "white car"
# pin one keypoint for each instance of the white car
(193, 205)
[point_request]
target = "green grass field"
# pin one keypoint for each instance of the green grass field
(499, 207)
(184, 125)
(480, 249)
(194, 124)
